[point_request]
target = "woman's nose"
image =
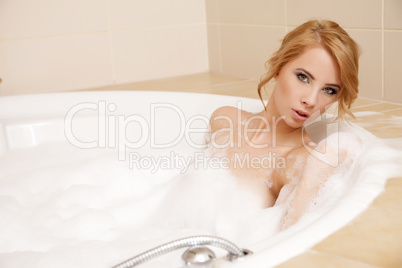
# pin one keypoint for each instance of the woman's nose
(310, 98)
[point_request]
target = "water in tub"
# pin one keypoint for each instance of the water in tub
(61, 206)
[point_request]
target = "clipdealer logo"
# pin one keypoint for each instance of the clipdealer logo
(113, 128)
(202, 160)
(113, 132)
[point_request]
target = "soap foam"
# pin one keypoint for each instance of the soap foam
(66, 207)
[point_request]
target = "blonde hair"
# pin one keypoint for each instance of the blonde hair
(333, 38)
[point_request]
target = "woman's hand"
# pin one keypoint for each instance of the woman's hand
(340, 148)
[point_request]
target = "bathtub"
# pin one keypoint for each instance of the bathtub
(69, 197)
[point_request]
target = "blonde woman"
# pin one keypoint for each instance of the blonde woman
(315, 67)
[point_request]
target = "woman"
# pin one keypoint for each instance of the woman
(316, 66)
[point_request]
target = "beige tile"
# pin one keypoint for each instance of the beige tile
(214, 51)
(159, 53)
(390, 199)
(373, 238)
(139, 14)
(393, 66)
(263, 12)
(370, 62)
(385, 132)
(378, 107)
(397, 112)
(388, 132)
(356, 14)
(321, 259)
(199, 83)
(383, 125)
(363, 102)
(394, 182)
(267, 90)
(245, 49)
(55, 64)
(212, 11)
(189, 83)
(26, 19)
(392, 14)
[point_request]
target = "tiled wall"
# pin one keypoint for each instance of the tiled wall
(57, 45)
(243, 34)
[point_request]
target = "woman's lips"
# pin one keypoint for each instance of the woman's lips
(301, 115)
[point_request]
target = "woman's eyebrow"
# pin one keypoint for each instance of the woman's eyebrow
(334, 85)
(307, 72)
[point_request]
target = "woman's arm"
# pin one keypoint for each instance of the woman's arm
(332, 155)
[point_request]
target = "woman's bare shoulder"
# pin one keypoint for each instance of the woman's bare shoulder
(226, 117)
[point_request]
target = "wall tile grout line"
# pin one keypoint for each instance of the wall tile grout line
(106, 31)
(392, 110)
(382, 49)
(109, 33)
(286, 16)
(39, 37)
(288, 25)
(366, 105)
(219, 39)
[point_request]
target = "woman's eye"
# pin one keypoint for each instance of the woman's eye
(329, 91)
(302, 77)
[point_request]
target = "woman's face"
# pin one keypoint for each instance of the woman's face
(306, 86)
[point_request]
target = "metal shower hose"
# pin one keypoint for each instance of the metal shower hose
(192, 241)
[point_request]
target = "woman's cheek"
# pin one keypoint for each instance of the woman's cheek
(285, 90)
